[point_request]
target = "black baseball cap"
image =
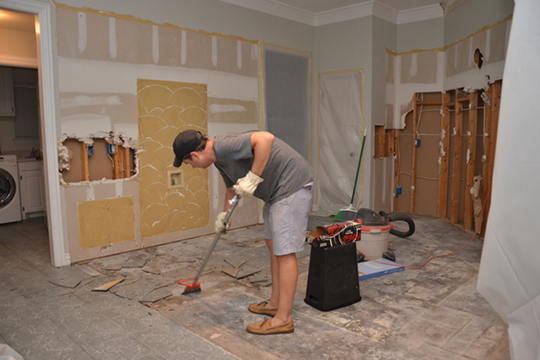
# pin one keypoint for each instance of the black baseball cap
(185, 143)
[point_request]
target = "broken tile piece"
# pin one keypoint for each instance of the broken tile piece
(87, 269)
(235, 263)
(247, 271)
(259, 277)
(108, 285)
(155, 296)
(113, 267)
(231, 272)
(155, 271)
(67, 283)
(134, 263)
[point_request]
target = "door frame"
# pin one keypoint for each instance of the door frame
(48, 129)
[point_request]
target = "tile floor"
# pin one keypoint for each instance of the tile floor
(52, 313)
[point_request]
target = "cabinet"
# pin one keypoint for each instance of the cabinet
(7, 101)
(32, 187)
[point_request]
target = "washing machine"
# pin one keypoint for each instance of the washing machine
(10, 195)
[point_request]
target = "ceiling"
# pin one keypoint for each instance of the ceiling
(322, 12)
(306, 11)
(319, 6)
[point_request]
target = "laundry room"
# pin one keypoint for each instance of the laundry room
(21, 167)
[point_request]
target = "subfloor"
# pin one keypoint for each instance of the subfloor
(54, 313)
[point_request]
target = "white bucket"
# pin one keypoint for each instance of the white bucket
(374, 240)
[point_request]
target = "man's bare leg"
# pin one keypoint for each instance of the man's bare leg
(274, 268)
(288, 277)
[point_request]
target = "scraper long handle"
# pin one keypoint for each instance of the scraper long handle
(233, 202)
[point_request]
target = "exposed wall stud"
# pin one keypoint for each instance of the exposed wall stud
(396, 168)
(84, 162)
(456, 165)
(413, 170)
(444, 154)
(471, 160)
(495, 96)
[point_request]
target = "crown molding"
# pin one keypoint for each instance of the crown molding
(369, 8)
(419, 14)
(277, 9)
(384, 12)
(345, 13)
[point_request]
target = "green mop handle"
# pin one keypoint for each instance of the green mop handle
(359, 162)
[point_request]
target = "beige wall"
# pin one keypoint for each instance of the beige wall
(121, 76)
(17, 48)
(17, 44)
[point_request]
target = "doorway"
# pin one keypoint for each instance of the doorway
(47, 124)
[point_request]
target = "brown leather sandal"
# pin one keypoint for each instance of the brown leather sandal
(265, 328)
(261, 309)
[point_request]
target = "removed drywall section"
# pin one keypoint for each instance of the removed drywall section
(105, 222)
(70, 153)
(95, 159)
(447, 151)
(100, 164)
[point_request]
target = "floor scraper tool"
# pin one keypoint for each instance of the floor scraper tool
(195, 286)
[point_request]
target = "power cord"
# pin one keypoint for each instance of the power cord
(434, 257)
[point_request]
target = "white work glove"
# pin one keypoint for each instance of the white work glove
(247, 185)
(219, 226)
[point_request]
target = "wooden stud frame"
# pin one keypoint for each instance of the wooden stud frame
(456, 165)
(84, 162)
(471, 160)
(121, 160)
(490, 142)
(444, 154)
(450, 193)
(413, 170)
(380, 137)
(396, 168)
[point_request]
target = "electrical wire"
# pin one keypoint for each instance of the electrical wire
(438, 256)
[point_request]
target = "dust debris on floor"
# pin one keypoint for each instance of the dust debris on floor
(130, 306)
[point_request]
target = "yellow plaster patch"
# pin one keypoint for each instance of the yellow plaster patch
(165, 109)
(105, 222)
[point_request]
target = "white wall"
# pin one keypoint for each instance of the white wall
(473, 16)
(420, 35)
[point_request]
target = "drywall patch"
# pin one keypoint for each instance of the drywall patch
(165, 109)
(232, 111)
(410, 63)
(105, 222)
(78, 126)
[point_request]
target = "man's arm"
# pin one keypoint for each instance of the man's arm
(229, 194)
(261, 143)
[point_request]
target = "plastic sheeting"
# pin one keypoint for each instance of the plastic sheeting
(509, 272)
(341, 128)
